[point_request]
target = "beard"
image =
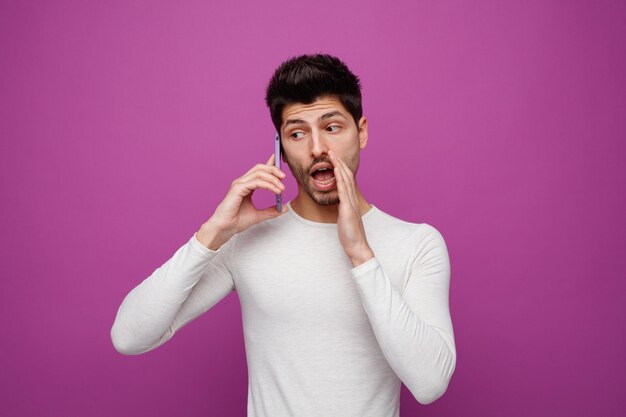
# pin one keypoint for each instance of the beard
(324, 198)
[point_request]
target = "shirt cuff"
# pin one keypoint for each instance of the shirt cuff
(365, 268)
(200, 249)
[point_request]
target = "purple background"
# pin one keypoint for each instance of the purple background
(502, 124)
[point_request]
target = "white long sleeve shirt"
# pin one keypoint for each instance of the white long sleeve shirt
(322, 338)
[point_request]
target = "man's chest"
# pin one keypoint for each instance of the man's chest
(304, 280)
(307, 280)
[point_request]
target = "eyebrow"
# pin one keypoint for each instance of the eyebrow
(322, 117)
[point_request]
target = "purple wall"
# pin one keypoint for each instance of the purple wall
(122, 125)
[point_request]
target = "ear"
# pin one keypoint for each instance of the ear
(362, 132)
(283, 155)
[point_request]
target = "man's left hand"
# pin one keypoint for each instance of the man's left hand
(349, 223)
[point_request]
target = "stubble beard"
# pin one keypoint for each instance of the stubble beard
(323, 198)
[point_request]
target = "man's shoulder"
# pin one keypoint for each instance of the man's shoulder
(385, 219)
(395, 227)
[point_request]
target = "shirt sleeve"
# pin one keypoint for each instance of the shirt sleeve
(193, 280)
(413, 326)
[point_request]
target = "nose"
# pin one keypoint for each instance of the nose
(319, 147)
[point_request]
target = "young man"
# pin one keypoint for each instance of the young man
(340, 301)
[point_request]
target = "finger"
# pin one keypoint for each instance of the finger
(269, 176)
(347, 182)
(271, 211)
(341, 182)
(341, 187)
(344, 167)
(350, 185)
(342, 163)
(337, 171)
(348, 191)
(272, 163)
(255, 183)
(260, 183)
(267, 168)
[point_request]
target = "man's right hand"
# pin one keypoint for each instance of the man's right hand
(236, 212)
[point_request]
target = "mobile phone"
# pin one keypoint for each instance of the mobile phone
(279, 197)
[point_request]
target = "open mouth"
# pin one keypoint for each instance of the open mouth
(324, 178)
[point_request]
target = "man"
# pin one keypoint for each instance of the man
(340, 301)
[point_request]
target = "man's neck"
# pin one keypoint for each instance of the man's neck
(308, 209)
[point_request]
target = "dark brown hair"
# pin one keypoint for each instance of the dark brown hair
(305, 78)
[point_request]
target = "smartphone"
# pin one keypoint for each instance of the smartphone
(279, 197)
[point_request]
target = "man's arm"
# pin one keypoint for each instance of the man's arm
(197, 276)
(187, 285)
(413, 327)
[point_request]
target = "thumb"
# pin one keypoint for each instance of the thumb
(271, 212)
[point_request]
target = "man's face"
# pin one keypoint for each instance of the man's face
(308, 132)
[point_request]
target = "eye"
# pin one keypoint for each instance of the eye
(297, 135)
(333, 128)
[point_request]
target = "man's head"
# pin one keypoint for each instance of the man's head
(315, 105)
(305, 78)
